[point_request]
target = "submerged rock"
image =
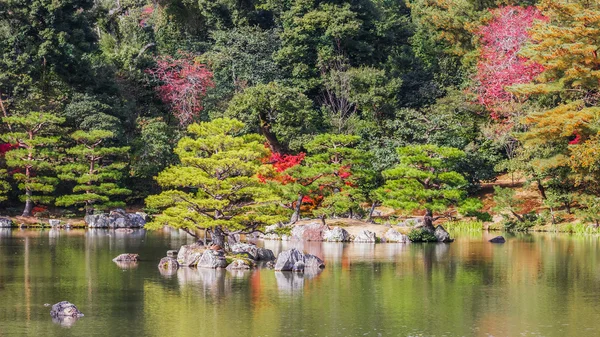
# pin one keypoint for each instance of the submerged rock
(309, 232)
(286, 261)
(189, 255)
(498, 239)
(393, 235)
(126, 258)
(6, 223)
(212, 259)
(366, 236)
(442, 235)
(336, 234)
(168, 265)
(65, 309)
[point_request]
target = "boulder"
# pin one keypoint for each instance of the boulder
(286, 260)
(442, 235)
(54, 222)
(265, 254)
(298, 267)
(117, 218)
(498, 239)
(126, 258)
(240, 264)
(336, 234)
(168, 264)
(144, 216)
(253, 252)
(393, 235)
(309, 232)
(172, 253)
(213, 259)
(366, 236)
(189, 255)
(6, 223)
(412, 222)
(65, 309)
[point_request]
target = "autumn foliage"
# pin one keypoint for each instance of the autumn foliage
(184, 82)
(500, 65)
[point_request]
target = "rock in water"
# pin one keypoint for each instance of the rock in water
(117, 218)
(309, 232)
(298, 267)
(393, 235)
(54, 222)
(336, 234)
(265, 254)
(126, 258)
(498, 239)
(213, 259)
(172, 253)
(240, 264)
(5, 223)
(189, 255)
(441, 234)
(366, 236)
(253, 252)
(287, 259)
(65, 309)
(168, 265)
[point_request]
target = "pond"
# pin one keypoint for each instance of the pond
(539, 284)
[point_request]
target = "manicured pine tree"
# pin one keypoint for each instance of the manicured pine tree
(216, 187)
(424, 180)
(34, 159)
(95, 169)
(4, 185)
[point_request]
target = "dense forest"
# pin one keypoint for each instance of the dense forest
(243, 113)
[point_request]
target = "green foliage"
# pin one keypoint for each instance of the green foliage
(421, 235)
(590, 211)
(215, 185)
(95, 169)
(4, 185)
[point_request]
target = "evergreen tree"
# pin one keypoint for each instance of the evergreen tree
(96, 171)
(425, 180)
(215, 187)
(4, 185)
(34, 159)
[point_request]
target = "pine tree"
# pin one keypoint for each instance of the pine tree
(4, 185)
(96, 171)
(424, 180)
(215, 187)
(33, 159)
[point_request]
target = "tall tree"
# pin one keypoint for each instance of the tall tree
(215, 187)
(95, 169)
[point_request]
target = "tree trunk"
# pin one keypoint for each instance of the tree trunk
(428, 221)
(28, 204)
(218, 237)
(542, 190)
(568, 207)
(272, 140)
(371, 211)
(296, 215)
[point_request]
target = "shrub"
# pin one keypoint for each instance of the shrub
(421, 235)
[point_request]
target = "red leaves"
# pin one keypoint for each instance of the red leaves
(500, 65)
(184, 84)
(575, 140)
(5, 147)
(282, 162)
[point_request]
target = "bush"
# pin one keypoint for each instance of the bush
(513, 225)
(421, 235)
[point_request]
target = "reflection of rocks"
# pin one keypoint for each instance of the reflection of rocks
(393, 235)
(290, 282)
(287, 259)
(6, 223)
(212, 259)
(254, 252)
(213, 281)
(442, 235)
(66, 322)
(126, 258)
(168, 266)
(309, 232)
(126, 264)
(498, 239)
(366, 236)
(190, 255)
(54, 222)
(336, 234)
(117, 218)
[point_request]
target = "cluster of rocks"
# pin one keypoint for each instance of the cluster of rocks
(6, 222)
(319, 232)
(117, 218)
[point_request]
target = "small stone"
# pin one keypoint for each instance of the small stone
(54, 222)
(240, 264)
(65, 309)
(336, 234)
(126, 258)
(442, 235)
(393, 235)
(168, 264)
(172, 253)
(498, 239)
(366, 236)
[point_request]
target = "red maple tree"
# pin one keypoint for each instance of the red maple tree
(500, 64)
(184, 82)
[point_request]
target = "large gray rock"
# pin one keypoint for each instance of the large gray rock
(54, 222)
(442, 235)
(253, 252)
(309, 232)
(213, 259)
(336, 234)
(168, 265)
(265, 254)
(393, 235)
(6, 223)
(189, 255)
(117, 218)
(366, 236)
(65, 309)
(498, 239)
(287, 259)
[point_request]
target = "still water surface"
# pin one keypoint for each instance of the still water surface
(534, 285)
